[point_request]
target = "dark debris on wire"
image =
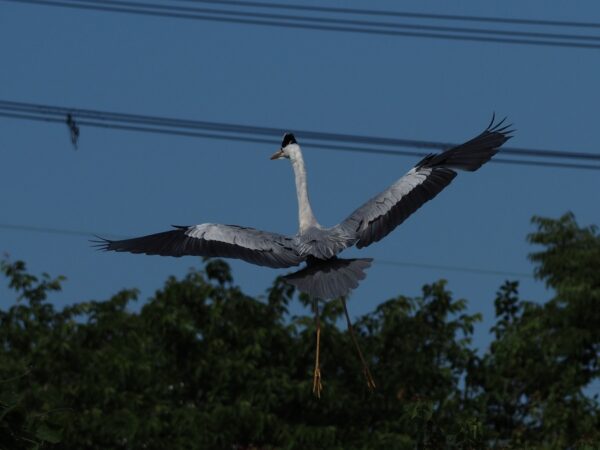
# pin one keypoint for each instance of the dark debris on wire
(73, 130)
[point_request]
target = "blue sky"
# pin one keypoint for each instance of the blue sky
(131, 184)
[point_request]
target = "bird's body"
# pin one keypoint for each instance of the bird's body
(325, 276)
(323, 243)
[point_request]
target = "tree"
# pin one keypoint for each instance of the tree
(545, 355)
(202, 365)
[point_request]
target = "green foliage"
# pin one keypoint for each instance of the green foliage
(534, 376)
(203, 366)
(26, 422)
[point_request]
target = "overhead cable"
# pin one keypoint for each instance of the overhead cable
(61, 111)
(403, 14)
(328, 24)
(247, 133)
(332, 21)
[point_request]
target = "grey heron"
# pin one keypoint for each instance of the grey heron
(325, 276)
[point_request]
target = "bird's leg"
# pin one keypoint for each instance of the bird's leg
(370, 382)
(317, 386)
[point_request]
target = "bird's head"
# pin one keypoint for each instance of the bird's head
(289, 147)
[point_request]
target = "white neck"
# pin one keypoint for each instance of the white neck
(305, 215)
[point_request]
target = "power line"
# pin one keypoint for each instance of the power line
(239, 133)
(454, 268)
(81, 233)
(403, 14)
(60, 112)
(331, 21)
(277, 142)
(323, 24)
(47, 230)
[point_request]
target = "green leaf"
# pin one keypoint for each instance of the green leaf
(48, 434)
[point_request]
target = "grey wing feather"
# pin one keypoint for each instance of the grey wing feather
(214, 240)
(380, 215)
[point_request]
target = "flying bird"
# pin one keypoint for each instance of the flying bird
(325, 276)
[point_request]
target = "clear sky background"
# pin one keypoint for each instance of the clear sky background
(130, 184)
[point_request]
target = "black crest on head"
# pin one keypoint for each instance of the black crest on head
(288, 138)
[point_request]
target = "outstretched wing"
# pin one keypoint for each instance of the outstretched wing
(380, 215)
(214, 240)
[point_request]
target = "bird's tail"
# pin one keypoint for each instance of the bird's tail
(331, 278)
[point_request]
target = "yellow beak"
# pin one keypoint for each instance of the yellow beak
(278, 154)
